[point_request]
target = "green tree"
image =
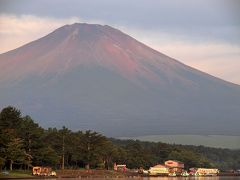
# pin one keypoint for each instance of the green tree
(138, 155)
(15, 153)
(31, 134)
(190, 158)
(91, 145)
(52, 140)
(109, 153)
(10, 118)
(47, 156)
(11, 145)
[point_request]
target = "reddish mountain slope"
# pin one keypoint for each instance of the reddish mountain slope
(99, 78)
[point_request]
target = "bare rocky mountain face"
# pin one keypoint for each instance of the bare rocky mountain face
(96, 77)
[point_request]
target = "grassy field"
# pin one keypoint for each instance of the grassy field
(91, 173)
(69, 174)
(16, 174)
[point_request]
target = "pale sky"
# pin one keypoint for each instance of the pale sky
(203, 34)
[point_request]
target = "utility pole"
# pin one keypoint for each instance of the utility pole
(63, 152)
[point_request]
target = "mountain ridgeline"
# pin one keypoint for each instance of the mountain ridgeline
(88, 76)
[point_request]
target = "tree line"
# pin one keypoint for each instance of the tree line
(23, 144)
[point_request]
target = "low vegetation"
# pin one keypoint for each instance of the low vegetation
(23, 144)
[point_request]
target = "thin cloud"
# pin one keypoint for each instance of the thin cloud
(16, 31)
(218, 58)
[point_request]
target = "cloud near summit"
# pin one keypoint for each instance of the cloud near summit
(16, 31)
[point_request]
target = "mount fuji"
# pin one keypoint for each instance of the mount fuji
(88, 76)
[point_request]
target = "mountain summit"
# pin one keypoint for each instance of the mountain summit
(88, 76)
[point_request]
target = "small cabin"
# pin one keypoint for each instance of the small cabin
(204, 171)
(175, 166)
(159, 170)
(120, 167)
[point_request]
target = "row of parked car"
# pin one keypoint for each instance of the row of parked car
(43, 171)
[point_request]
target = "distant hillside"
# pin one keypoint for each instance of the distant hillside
(216, 141)
(192, 156)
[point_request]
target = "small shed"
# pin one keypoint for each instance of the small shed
(159, 169)
(175, 166)
(120, 167)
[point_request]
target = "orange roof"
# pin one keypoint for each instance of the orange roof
(175, 161)
(159, 166)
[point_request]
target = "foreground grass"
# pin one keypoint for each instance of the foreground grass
(93, 173)
(68, 173)
(16, 174)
